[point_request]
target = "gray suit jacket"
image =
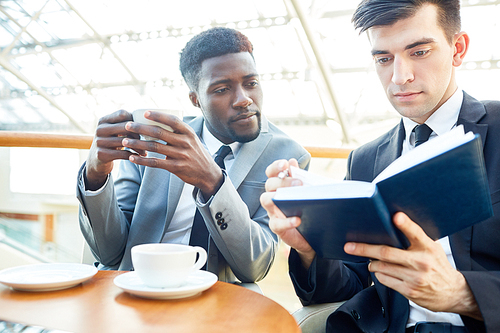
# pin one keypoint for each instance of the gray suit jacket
(139, 207)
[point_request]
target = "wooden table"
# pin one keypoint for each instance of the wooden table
(98, 305)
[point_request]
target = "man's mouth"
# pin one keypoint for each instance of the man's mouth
(406, 96)
(244, 116)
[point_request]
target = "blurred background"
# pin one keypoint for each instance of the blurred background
(66, 63)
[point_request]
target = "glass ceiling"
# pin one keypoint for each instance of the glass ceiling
(66, 63)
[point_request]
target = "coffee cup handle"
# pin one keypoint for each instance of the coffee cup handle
(202, 258)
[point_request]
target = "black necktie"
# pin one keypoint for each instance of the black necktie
(422, 134)
(199, 232)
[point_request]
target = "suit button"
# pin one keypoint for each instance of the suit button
(355, 314)
(218, 215)
(223, 226)
(220, 221)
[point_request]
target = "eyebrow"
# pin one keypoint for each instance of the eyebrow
(422, 41)
(224, 81)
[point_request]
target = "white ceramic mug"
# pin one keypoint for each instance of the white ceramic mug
(163, 265)
(138, 116)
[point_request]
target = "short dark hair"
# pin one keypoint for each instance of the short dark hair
(208, 44)
(372, 13)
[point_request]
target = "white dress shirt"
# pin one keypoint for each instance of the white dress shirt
(441, 121)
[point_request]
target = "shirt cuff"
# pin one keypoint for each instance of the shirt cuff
(91, 192)
(200, 200)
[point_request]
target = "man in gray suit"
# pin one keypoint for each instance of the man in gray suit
(160, 186)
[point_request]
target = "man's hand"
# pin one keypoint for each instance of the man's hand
(107, 147)
(421, 273)
(285, 227)
(186, 157)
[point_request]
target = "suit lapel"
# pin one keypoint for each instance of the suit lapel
(471, 113)
(174, 193)
(389, 150)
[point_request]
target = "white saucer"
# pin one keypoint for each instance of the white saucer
(197, 282)
(46, 277)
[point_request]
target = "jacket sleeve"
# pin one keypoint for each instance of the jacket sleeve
(246, 242)
(327, 280)
(486, 289)
(104, 223)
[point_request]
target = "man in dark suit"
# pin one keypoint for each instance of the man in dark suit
(455, 281)
(179, 193)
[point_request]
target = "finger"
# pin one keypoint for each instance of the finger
(117, 130)
(379, 252)
(411, 230)
(395, 277)
(177, 125)
(282, 225)
(272, 184)
(266, 200)
(392, 282)
(173, 138)
(114, 143)
(149, 130)
(150, 162)
(109, 142)
(276, 167)
(108, 155)
(293, 162)
(144, 146)
(119, 116)
(388, 269)
(170, 150)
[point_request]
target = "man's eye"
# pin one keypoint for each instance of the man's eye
(382, 61)
(420, 53)
(221, 90)
(253, 83)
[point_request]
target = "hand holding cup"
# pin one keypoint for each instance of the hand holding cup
(138, 116)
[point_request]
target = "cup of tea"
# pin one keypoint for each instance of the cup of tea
(163, 265)
(138, 116)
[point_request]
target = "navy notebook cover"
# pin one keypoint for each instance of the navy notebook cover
(444, 194)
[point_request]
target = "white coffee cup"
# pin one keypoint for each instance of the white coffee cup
(138, 116)
(163, 265)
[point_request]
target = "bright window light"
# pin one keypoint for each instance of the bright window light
(32, 170)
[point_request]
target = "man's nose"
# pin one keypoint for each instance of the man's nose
(242, 99)
(402, 72)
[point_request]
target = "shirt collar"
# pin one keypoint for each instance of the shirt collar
(443, 119)
(213, 144)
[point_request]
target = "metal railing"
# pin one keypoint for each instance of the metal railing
(75, 141)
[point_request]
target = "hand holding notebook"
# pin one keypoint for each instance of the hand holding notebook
(441, 185)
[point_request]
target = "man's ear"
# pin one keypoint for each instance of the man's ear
(194, 99)
(461, 45)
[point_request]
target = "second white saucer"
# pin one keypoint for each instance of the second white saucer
(197, 282)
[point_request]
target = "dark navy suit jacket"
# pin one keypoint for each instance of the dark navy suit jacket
(476, 250)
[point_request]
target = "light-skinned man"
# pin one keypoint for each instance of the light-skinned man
(455, 281)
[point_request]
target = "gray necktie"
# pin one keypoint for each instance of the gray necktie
(422, 134)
